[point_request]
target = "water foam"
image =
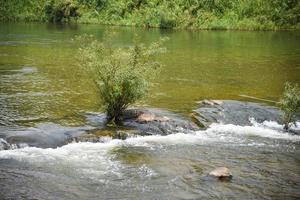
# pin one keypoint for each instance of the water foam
(84, 153)
(76, 159)
(274, 131)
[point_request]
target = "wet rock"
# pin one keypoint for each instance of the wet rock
(48, 135)
(4, 145)
(148, 121)
(155, 121)
(222, 173)
(135, 122)
(140, 121)
(94, 135)
(124, 134)
(97, 135)
(234, 112)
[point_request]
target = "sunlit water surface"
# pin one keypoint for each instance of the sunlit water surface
(39, 85)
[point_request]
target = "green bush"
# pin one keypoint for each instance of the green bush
(290, 104)
(121, 75)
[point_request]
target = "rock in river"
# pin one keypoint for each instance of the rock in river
(135, 122)
(234, 112)
(154, 121)
(221, 173)
(46, 135)
(149, 121)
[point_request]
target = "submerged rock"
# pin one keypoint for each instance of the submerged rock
(222, 173)
(234, 112)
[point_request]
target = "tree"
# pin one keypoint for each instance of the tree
(290, 104)
(122, 75)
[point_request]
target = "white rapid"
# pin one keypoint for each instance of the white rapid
(175, 165)
(85, 153)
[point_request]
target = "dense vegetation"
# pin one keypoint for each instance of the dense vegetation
(290, 104)
(198, 14)
(121, 75)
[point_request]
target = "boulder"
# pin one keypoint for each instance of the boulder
(222, 173)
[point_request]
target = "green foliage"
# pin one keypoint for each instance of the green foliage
(94, 4)
(61, 10)
(121, 75)
(191, 14)
(25, 10)
(290, 103)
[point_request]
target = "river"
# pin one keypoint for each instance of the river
(40, 92)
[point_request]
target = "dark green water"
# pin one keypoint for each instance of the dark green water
(39, 89)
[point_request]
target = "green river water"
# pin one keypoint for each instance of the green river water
(40, 90)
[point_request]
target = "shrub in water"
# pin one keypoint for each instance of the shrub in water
(290, 104)
(121, 75)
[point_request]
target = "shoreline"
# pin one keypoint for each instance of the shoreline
(153, 27)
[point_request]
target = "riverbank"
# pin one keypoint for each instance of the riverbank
(179, 14)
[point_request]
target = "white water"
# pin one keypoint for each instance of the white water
(157, 163)
(267, 129)
(85, 153)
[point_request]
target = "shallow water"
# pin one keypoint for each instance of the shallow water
(264, 162)
(41, 96)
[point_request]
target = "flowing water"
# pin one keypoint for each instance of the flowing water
(40, 94)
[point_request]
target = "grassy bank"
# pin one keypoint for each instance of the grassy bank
(188, 14)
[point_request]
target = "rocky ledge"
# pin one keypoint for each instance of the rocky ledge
(135, 122)
(235, 112)
(141, 121)
(155, 121)
(147, 121)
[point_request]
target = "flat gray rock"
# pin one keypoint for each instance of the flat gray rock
(47, 135)
(235, 112)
